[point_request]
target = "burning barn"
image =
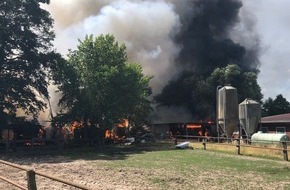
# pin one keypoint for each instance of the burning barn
(231, 118)
(183, 130)
(193, 37)
(22, 133)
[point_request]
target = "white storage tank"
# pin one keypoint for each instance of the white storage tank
(227, 109)
(266, 138)
(249, 116)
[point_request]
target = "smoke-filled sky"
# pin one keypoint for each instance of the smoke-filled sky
(170, 36)
(146, 28)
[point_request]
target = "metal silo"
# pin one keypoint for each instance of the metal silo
(249, 115)
(227, 110)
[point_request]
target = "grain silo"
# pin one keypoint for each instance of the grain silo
(249, 116)
(227, 110)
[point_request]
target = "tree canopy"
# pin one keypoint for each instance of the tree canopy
(245, 81)
(277, 106)
(100, 85)
(26, 55)
(197, 92)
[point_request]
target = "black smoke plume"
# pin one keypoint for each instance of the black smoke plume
(205, 38)
(207, 42)
(179, 42)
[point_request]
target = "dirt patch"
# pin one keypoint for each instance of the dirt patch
(81, 172)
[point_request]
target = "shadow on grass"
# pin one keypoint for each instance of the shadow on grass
(69, 154)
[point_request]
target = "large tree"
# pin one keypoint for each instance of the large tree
(277, 106)
(198, 92)
(25, 56)
(245, 81)
(100, 85)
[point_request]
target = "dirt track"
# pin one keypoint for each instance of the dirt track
(78, 171)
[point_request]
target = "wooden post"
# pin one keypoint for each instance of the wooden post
(8, 141)
(204, 144)
(175, 140)
(31, 182)
(32, 144)
(60, 144)
(239, 146)
(285, 152)
(7, 146)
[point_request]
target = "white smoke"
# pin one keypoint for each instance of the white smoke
(69, 12)
(145, 27)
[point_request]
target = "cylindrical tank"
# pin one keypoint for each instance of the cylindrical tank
(249, 115)
(264, 138)
(228, 112)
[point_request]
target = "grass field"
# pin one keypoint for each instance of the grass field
(170, 168)
(270, 151)
(161, 166)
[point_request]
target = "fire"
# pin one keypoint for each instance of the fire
(193, 126)
(75, 130)
(118, 131)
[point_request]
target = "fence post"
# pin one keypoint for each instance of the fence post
(60, 144)
(31, 183)
(32, 144)
(175, 140)
(285, 152)
(204, 144)
(8, 141)
(238, 146)
(7, 146)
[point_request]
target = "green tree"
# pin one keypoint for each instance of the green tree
(100, 85)
(277, 106)
(198, 92)
(26, 55)
(245, 81)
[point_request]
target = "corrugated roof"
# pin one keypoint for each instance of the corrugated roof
(282, 118)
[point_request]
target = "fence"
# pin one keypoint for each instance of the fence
(229, 142)
(31, 180)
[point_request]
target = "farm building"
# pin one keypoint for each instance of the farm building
(168, 130)
(276, 124)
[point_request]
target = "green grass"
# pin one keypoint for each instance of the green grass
(165, 167)
(188, 164)
(184, 161)
(180, 160)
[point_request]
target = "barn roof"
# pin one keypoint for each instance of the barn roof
(282, 118)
